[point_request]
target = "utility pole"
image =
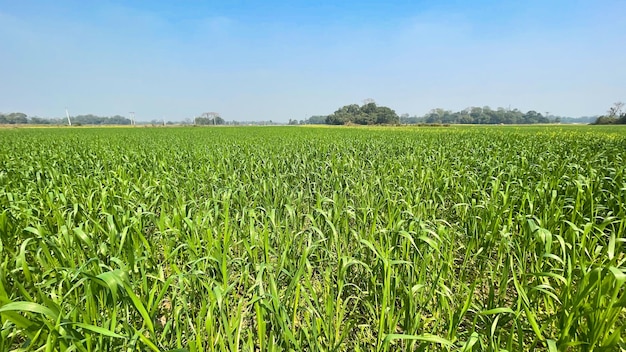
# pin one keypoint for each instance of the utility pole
(67, 113)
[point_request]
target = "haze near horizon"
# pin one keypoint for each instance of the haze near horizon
(279, 60)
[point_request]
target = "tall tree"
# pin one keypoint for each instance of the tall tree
(368, 114)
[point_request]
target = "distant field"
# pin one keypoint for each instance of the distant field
(474, 238)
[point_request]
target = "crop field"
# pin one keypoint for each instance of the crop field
(313, 239)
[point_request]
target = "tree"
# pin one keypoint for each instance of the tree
(210, 120)
(118, 120)
(434, 116)
(203, 121)
(315, 120)
(605, 120)
(532, 117)
(13, 118)
(368, 114)
(337, 119)
(39, 121)
(343, 115)
(218, 120)
(615, 115)
(385, 115)
(466, 119)
(616, 110)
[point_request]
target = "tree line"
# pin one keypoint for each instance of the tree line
(367, 114)
(13, 118)
(89, 119)
(371, 114)
(486, 116)
(21, 118)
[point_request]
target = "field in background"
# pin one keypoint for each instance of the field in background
(297, 238)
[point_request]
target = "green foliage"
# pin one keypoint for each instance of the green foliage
(215, 120)
(368, 114)
(315, 120)
(13, 118)
(99, 120)
(21, 118)
(615, 116)
(485, 116)
(606, 120)
(313, 239)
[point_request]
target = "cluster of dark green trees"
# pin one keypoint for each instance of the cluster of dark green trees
(615, 116)
(314, 120)
(486, 115)
(370, 114)
(13, 118)
(367, 114)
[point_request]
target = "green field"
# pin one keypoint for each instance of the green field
(315, 239)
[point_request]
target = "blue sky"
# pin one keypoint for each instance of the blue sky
(253, 60)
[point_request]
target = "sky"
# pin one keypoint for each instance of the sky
(280, 60)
